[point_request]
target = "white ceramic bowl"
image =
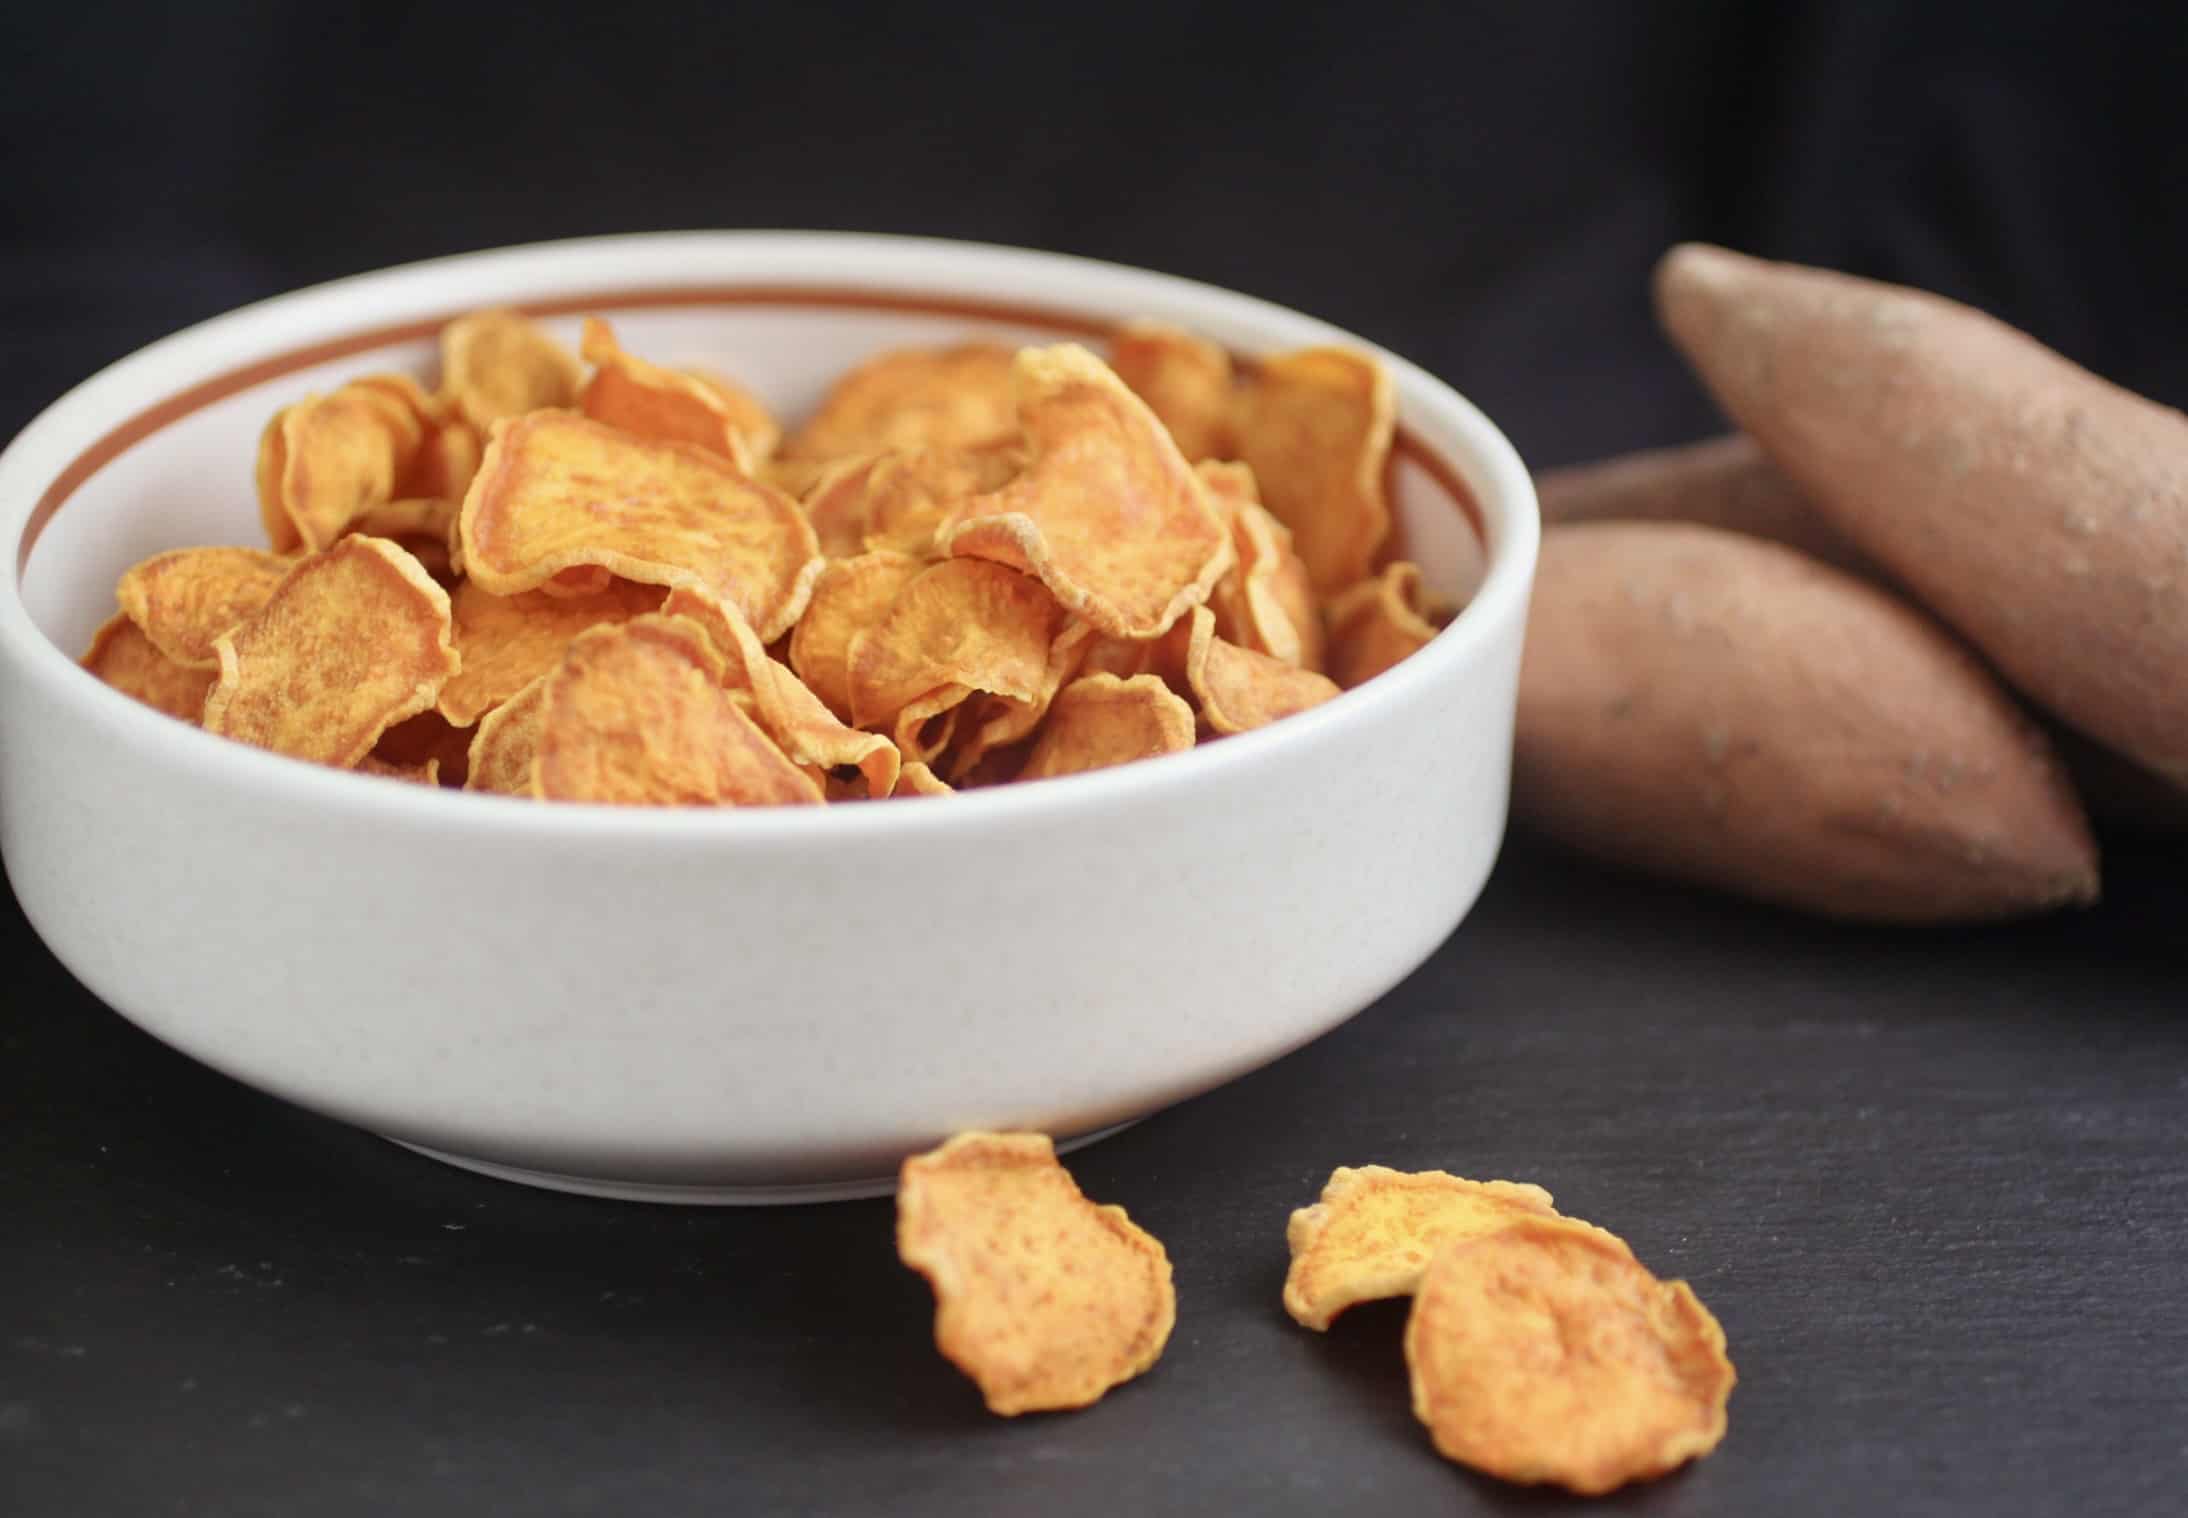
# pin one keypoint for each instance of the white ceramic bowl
(735, 1005)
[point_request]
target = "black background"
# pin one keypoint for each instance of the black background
(1933, 1182)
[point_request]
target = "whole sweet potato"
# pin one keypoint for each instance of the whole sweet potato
(2037, 508)
(1725, 710)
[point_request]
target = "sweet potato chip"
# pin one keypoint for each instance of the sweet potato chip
(666, 405)
(1265, 601)
(414, 742)
(1374, 1230)
(895, 501)
(185, 598)
(1316, 426)
(804, 729)
(411, 517)
(849, 596)
(959, 627)
(1107, 514)
(1378, 622)
(635, 714)
(1544, 1352)
(559, 491)
(915, 779)
(506, 642)
(448, 450)
(122, 656)
(1238, 690)
(506, 744)
(327, 458)
(1185, 380)
(754, 422)
(497, 364)
(1101, 720)
(353, 640)
(428, 773)
(958, 397)
(999, 721)
(1043, 1298)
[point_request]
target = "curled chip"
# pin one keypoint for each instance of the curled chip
(123, 657)
(755, 422)
(1316, 426)
(326, 459)
(958, 397)
(559, 491)
(669, 406)
(448, 450)
(1374, 1230)
(1185, 380)
(187, 597)
(635, 715)
(1043, 1298)
(895, 501)
(804, 729)
(506, 642)
(1101, 720)
(999, 721)
(410, 517)
(915, 779)
(1379, 622)
(961, 626)
(1238, 690)
(506, 744)
(497, 364)
(1107, 514)
(848, 596)
(353, 640)
(1265, 601)
(1544, 1352)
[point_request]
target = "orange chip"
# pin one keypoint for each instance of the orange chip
(909, 398)
(326, 459)
(1108, 514)
(497, 364)
(1378, 622)
(448, 451)
(122, 656)
(352, 641)
(1101, 720)
(1126, 657)
(1003, 720)
(1373, 1231)
(753, 420)
(506, 642)
(1316, 426)
(635, 714)
(506, 744)
(915, 779)
(428, 773)
(848, 596)
(187, 597)
(1238, 690)
(961, 626)
(1544, 1352)
(412, 517)
(667, 406)
(1265, 601)
(559, 491)
(895, 501)
(804, 729)
(1043, 1298)
(1185, 380)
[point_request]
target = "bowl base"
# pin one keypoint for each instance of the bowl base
(700, 1195)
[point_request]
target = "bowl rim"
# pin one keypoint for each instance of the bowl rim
(133, 388)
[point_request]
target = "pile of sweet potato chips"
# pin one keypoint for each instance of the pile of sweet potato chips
(589, 577)
(1540, 1349)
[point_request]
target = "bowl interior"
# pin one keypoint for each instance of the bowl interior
(189, 480)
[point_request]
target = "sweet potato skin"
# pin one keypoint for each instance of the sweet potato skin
(2038, 509)
(1716, 708)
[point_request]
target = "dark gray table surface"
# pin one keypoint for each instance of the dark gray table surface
(1933, 1183)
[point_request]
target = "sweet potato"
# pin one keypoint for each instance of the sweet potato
(2037, 508)
(1725, 710)
(1721, 482)
(1729, 482)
